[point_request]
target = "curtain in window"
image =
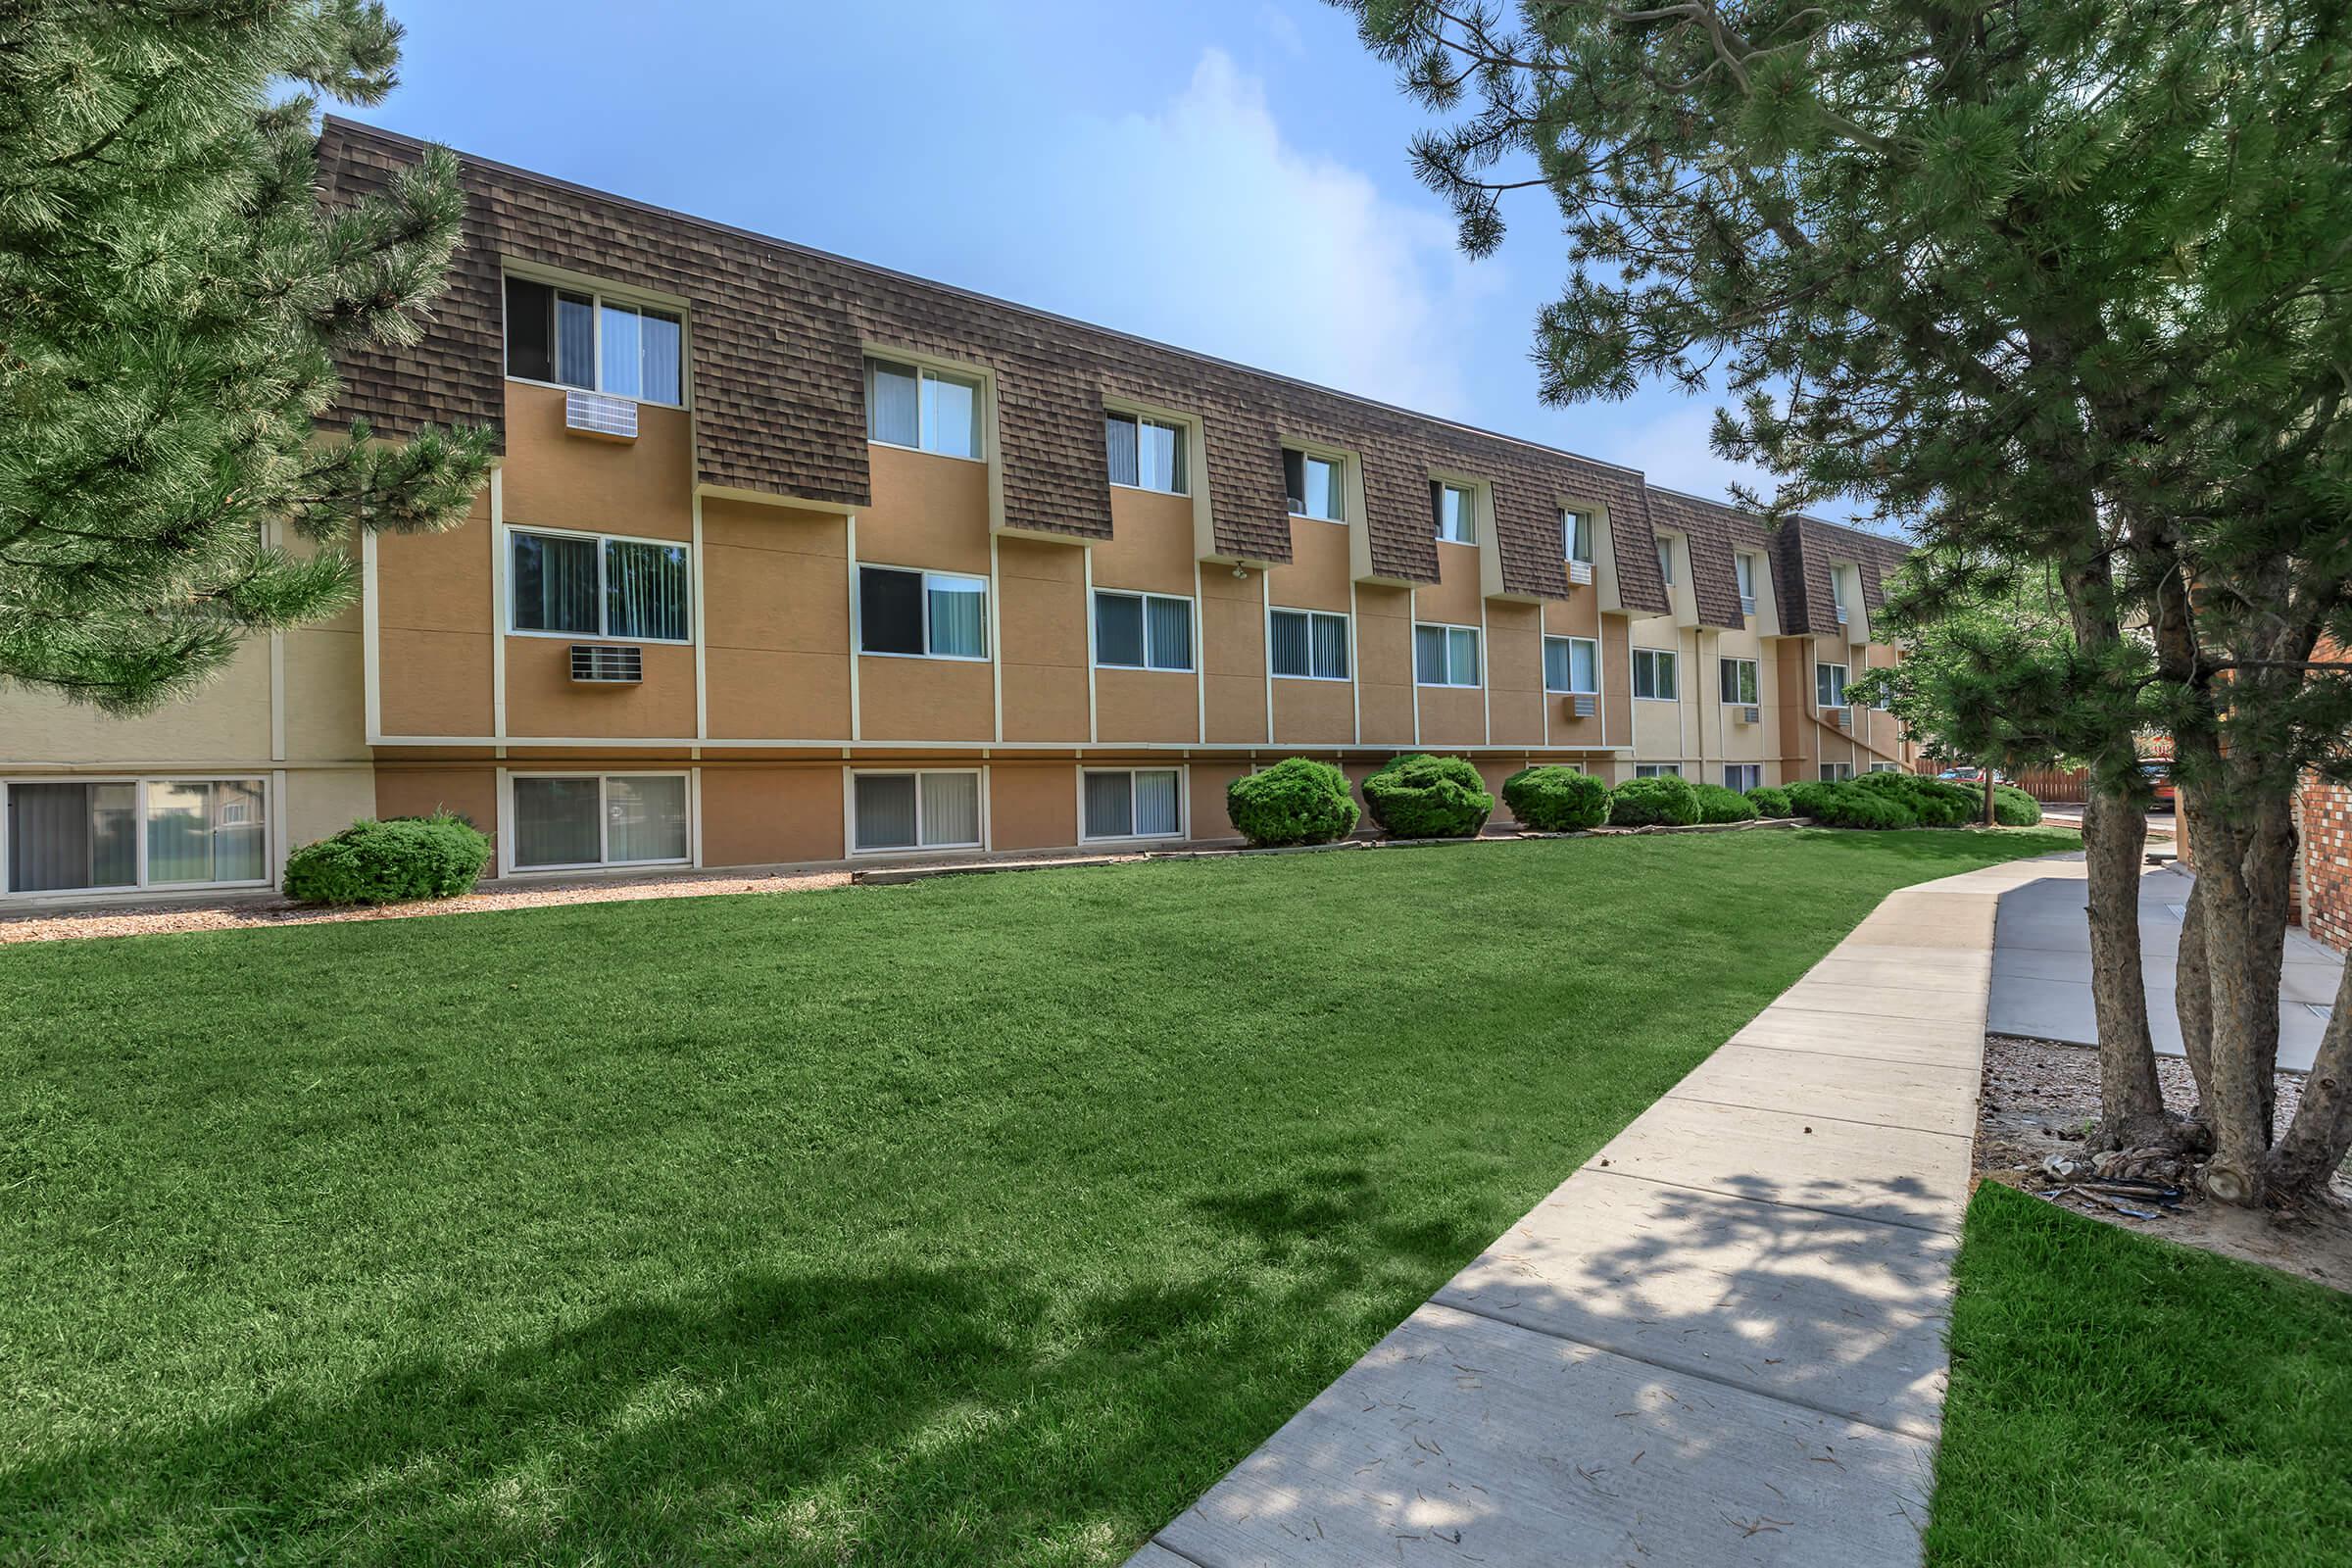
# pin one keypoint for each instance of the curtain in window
(662, 343)
(1119, 440)
(1331, 646)
(1109, 806)
(1829, 685)
(556, 821)
(1293, 481)
(1556, 665)
(645, 590)
(886, 811)
(1290, 639)
(1172, 632)
(1161, 456)
(959, 624)
(951, 416)
(530, 330)
(891, 404)
(554, 583)
(1158, 814)
(621, 352)
(950, 808)
(575, 340)
(1429, 655)
(1462, 656)
(1665, 561)
(1580, 536)
(645, 819)
(1584, 664)
(71, 836)
(1118, 629)
(890, 611)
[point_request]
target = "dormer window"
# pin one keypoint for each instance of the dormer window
(1576, 536)
(1837, 593)
(1453, 507)
(1745, 566)
(577, 337)
(1314, 485)
(927, 409)
(1666, 561)
(1145, 454)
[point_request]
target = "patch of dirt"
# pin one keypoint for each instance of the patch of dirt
(2038, 1098)
(137, 921)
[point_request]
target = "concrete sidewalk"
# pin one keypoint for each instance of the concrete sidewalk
(1721, 1341)
(2041, 965)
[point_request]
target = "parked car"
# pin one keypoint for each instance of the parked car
(1972, 775)
(2159, 771)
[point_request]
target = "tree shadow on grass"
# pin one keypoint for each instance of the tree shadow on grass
(933, 1415)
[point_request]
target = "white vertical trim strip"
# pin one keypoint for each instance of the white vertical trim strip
(702, 687)
(1199, 657)
(501, 610)
(1486, 672)
(370, 615)
(1412, 656)
(995, 639)
(1086, 568)
(694, 816)
(849, 528)
(277, 825)
(503, 828)
(1265, 643)
(1356, 664)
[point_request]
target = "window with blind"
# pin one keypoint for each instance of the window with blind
(916, 405)
(1141, 802)
(1654, 675)
(1314, 485)
(1307, 644)
(135, 833)
(1739, 681)
(921, 615)
(590, 585)
(938, 810)
(1143, 631)
(1657, 771)
(571, 337)
(564, 821)
(1829, 685)
(1742, 776)
(1571, 664)
(1453, 509)
(1145, 454)
(1445, 656)
(1836, 772)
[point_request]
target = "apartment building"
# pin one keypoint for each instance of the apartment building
(790, 559)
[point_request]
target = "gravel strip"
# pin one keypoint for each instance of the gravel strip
(140, 921)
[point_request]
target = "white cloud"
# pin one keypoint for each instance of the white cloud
(1202, 225)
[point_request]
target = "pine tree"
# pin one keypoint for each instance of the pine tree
(172, 298)
(2067, 283)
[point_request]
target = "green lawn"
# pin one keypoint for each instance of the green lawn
(2118, 1400)
(985, 1220)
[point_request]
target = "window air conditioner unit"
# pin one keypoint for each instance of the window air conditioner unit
(1845, 719)
(1747, 605)
(607, 665)
(600, 415)
(1841, 614)
(1751, 716)
(1580, 572)
(1582, 705)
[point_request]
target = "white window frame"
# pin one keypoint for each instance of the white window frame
(1339, 462)
(1836, 772)
(1633, 674)
(604, 601)
(1755, 668)
(1742, 770)
(925, 369)
(1477, 644)
(271, 814)
(1885, 768)
(507, 841)
(1348, 642)
(1465, 514)
(1592, 690)
(857, 607)
(1657, 771)
(597, 295)
(1744, 577)
(1845, 678)
(1666, 561)
(1184, 437)
(918, 847)
(1184, 807)
(1569, 516)
(1191, 616)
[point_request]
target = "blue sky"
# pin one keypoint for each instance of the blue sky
(1227, 175)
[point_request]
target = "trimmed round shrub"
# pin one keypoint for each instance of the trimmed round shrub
(408, 858)
(1421, 797)
(1296, 801)
(1652, 802)
(1846, 804)
(1937, 802)
(1770, 800)
(1717, 803)
(1810, 796)
(1556, 800)
(2013, 808)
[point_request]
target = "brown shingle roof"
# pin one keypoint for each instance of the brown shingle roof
(776, 341)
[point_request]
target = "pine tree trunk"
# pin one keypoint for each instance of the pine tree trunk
(1989, 817)
(2192, 993)
(2131, 1112)
(2320, 1135)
